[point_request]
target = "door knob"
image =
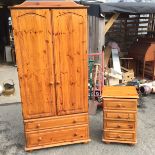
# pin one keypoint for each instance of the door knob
(58, 82)
(51, 83)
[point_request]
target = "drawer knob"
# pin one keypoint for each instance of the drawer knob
(118, 126)
(130, 126)
(118, 105)
(40, 138)
(75, 134)
(74, 121)
(118, 136)
(38, 125)
(118, 116)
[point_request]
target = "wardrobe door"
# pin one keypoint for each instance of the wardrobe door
(33, 44)
(70, 50)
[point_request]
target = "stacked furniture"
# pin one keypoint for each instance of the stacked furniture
(51, 50)
(144, 55)
(120, 114)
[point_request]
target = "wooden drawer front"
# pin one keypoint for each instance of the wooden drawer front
(57, 136)
(55, 122)
(124, 104)
(119, 125)
(120, 115)
(124, 136)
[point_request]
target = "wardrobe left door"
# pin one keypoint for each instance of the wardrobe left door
(34, 52)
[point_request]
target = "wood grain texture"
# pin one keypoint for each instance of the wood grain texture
(143, 52)
(119, 125)
(70, 39)
(120, 104)
(120, 115)
(120, 137)
(119, 92)
(107, 55)
(32, 34)
(51, 50)
(85, 141)
(53, 136)
(55, 122)
(48, 4)
(110, 22)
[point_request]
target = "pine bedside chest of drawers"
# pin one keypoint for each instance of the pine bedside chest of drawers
(120, 114)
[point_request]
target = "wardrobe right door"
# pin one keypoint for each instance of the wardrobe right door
(70, 52)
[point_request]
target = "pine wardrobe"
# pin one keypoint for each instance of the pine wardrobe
(51, 51)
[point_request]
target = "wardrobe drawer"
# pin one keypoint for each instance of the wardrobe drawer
(119, 136)
(62, 135)
(55, 122)
(120, 104)
(119, 125)
(119, 115)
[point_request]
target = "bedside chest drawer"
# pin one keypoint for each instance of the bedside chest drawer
(120, 104)
(119, 125)
(120, 136)
(119, 115)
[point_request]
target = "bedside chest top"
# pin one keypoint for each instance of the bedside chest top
(119, 92)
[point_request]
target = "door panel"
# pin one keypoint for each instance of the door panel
(33, 44)
(70, 50)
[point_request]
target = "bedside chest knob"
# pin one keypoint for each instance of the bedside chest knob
(118, 116)
(118, 136)
(38, 125)
(118, 126)
(75, 134)
(130, 126)
(118, 105)
(40, 138)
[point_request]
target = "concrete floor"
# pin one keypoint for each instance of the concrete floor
(7, 73)
(12, 136)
